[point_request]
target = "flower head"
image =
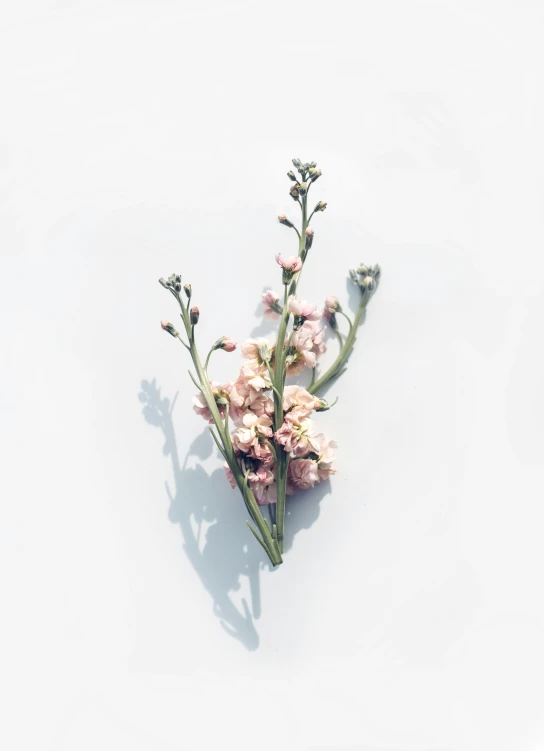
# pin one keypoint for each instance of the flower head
(226, 343)
(290, 266)
(296, 397)
(302, 309)
(272, 308)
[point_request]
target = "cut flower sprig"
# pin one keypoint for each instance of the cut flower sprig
(275, 448)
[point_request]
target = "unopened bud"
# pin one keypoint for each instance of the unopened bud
(368, 283)
(313, 164)
(324, 405)
(294, 191)
(321, 206)
(164, 282)
(226, 343)
(291, 175)
(353, 275)
(362, 270)
(282, 219)
(376, 271)
(167, 326)
(303, 189)
(309, 237)
(177, 287)
(195, 315)
(297, 163)
(187, 288)
(314, 174)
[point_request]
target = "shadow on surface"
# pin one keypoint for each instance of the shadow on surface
(212, 517)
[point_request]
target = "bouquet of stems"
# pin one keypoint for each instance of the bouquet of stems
(261, 426)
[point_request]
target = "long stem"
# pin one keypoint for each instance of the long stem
(282, 460)
(345, 351)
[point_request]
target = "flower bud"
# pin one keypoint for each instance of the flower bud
(265, 353)
(324, 405)
(167, 326)
(195, 315)
(294, 191)
(282, 219)
(187, 288)
(226, 343)
(303, 189)
(314, 174)
(321, 206)
(376, 271)
(368, 283)
(291, 175)
(353, 275)
(313, 164)
(163, 282)
(177, 287)
(309, 237)
(362, 270)
(297, 163)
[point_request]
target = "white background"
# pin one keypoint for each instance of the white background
(141, 138)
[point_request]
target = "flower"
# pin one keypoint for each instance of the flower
(303, 473)
(262, 483)
(248, 438)
(228, 344)
(331, 307)
(271, 305)
(292, 263)
(296, 397)
(257, 351)
(297, 434)
(326, 455)
(309, 344)
(221, 394)
(303, 309)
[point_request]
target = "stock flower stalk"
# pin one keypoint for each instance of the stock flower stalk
(275, 448)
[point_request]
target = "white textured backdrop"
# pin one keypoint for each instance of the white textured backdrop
(141, 138)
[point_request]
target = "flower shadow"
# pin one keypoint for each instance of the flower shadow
(211, 517)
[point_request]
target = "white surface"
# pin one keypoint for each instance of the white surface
(142, 138)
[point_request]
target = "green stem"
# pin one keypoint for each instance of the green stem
(282, 457)
(345, 351)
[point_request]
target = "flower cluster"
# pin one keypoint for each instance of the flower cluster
(264, 427)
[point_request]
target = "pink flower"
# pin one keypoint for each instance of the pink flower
(303, 309)
(326, 454)
(259, 351)
(296, 397)
(309, 232)
(247, 391)
(297, 434)
(292, 264)
(219, 391)
(330, 308)
(263, 484)
(270, 301)
(228, 344)
(309, 342)
(248, 438)
(303, 473)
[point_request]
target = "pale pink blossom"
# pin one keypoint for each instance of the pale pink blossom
(219, 391)
(303, 473)
(254, 349)
(330, 307)
(326, 454)
(297, 434)
(249, 436)
(262, 483)
(309, 232)
(303, 309)
(270, 298)
(296, 397)
(309, 342)
(292, 263)
(248, 390)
